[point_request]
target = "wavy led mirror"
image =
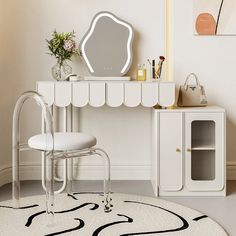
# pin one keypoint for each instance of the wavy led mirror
(107, 46)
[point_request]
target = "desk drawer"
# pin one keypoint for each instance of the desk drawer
(114, 94)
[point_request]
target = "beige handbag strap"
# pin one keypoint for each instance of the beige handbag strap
(189, 77)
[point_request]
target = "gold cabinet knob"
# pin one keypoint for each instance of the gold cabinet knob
(178, 150)
(189, 149)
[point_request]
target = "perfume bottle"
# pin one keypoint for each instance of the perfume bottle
(141, 73)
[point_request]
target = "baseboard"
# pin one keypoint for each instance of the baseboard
(231, 170)
(29, 172)
(5, 176)
(26, 173)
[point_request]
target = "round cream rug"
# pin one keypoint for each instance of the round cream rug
(82, 215)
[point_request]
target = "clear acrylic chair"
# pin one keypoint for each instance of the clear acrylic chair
(56, 146)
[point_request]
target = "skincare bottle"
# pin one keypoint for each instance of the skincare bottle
(141, 73)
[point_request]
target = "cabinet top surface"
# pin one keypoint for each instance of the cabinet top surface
(193, 109)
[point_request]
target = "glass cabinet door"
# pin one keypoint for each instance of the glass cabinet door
(204, 154)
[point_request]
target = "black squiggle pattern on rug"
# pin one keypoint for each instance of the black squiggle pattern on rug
(98, 230)
(183, 227)
(95, 206)
(21, 208)
(81, 193)
(80, 226)
(30, 219)
(95, 193)
(71, 195)
(200, 217)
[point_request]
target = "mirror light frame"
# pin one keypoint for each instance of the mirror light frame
(90, 32)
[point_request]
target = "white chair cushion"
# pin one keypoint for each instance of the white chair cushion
(62, 141)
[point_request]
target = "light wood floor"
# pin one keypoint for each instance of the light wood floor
(221, 209)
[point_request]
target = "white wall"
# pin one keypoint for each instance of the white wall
(125, 133)
(24, 26)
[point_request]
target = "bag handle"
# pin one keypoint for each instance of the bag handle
(189, 77)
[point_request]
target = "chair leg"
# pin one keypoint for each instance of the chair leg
(64, 180)
(50, 189)
(107, 179)
(16, 177)
(69, 185)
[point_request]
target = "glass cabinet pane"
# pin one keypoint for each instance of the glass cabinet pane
(203, 134)
(205, 153)
(203, 165)
(203, 150)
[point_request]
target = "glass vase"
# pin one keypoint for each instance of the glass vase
(61, 71)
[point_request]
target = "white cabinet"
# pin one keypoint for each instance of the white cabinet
(171, 161)
(191, 157)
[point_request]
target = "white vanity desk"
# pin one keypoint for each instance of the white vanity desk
(188, 145)
(67, 95)
(113, 94)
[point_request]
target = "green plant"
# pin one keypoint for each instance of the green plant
(62, 46)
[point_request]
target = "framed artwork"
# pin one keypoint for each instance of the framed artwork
(214, 17)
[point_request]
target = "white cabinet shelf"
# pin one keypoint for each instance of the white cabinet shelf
(190, 157)
(203, 145)
(202, 148)
(111, 93)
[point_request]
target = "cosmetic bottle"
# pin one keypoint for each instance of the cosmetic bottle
(141, 73)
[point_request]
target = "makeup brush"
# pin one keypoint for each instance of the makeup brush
(153, 69)
(159, 67)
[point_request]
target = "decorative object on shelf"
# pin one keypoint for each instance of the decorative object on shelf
(107, 46)
(192, 95)
(141, 73)
(74, 78)
(61, 71)
(215, 17)
(63, 47)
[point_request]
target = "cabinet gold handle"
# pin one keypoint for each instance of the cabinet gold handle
(178, 150)
(189, 150)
